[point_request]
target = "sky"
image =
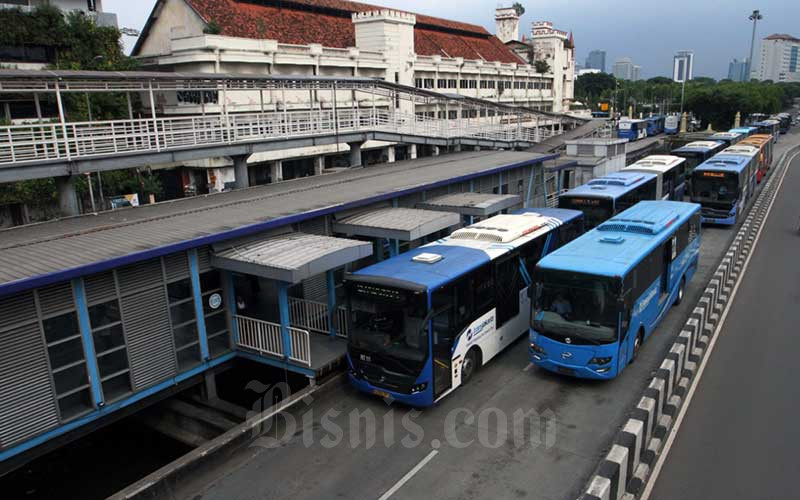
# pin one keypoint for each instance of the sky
(648, 32)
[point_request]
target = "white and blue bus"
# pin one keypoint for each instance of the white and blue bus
(672, 124)
(601, 198)
(670, 174)
(599, 298)
(632, 129)
(697, 152)
(723, 186)
(423, 322)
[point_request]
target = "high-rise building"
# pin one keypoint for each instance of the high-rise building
(780, 59)
(683, 66)
(596, 60)
(624, 69)
(637, 73)
(737, 70)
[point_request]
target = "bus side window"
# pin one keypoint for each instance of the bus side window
(694, 228)
(507, 303)
(532, 252)
(483, 286)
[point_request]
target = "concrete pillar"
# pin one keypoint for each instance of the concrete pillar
(436, 150)
(276, 171)
(240, 171)
(477, 148)
(390, 154)
(457, 148)
(67, 197)
(412, 151)
(209, 386)
(355, 154)
(319, 165)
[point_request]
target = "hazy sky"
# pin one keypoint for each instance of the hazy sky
(648, 32)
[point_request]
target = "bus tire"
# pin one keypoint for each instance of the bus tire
(681, 291)
(637, 344)
(470, 365)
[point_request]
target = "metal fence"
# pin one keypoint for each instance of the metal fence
(313, 316)
(266, 338)
(20, 144)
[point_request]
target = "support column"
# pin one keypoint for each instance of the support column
(85, 327)
(435, 150)
(197, 292)
(457, 148)
(390, 154)
(332, 313)
(67, 197)
(355, 154)
(477, 148)
(276, 171)
(319, 165)
(412, 151)
(209, 386)
(283, 307)
(240, 171)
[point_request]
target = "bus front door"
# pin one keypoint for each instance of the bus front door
(442, 340)
(670, 248)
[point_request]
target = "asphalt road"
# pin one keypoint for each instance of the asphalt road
(549, 453)
(740, 435)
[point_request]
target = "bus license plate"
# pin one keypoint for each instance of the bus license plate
(566, 371)
(382, 394)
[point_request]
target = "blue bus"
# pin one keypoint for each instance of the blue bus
(744, 131)
(723, 185)
(601, 198)
(729, 138)
(769, 127)
(422, 323)
(697, 152)
(599, 298)
(672, 124)
(655, 125)
(632, 129)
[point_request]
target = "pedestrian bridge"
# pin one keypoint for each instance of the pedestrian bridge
(284, 112)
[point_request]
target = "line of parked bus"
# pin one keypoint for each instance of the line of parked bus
(635, 129)
(588, 281)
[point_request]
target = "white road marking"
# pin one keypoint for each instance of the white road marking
(674, 432)
(530, 365)
(399, 484)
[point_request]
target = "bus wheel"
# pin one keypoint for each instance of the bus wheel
(469, 366)
(681, 289)
(637, 344)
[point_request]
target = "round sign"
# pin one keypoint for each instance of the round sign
(214, 300)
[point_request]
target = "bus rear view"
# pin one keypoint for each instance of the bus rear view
(722, 186)
(602, 198)
(599, 298)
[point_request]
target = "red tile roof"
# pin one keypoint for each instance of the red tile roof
(328, 22)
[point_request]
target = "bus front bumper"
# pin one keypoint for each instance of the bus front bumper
(420, 399)
(573, 370)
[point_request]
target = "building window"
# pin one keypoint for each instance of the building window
(428, 83)
(184, 323)
(418, 82)
(68, 365)
(441, 83)
(110, 349)
(214, 312)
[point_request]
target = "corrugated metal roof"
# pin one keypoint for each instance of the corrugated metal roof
(405, 224)
(290, 257)
(476, 204)
(49, 252)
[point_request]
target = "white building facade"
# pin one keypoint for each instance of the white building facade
(779, 59)
(346, 40)
(92, 8)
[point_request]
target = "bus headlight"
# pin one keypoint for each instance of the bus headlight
(600, 361)
(419, 388)
(537, 349)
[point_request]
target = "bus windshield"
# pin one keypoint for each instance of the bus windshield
(577, 306)
(595, 210)
(715, 187)
(390, 323)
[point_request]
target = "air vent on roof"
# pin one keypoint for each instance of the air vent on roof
(427, 258)
(505, 228)
(616, 240)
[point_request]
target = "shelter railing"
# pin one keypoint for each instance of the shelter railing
(266, 338)
(313, 316)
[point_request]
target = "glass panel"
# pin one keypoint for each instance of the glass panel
(70, 379)
(113, 362)
(218, 345)
(104, 314)
(179, 290)
(75, 404)
(116, 387)
(60, 327)
(189, 357)
(108, 338)
(66, 353)
(216, 323)
(185, 335)
(182, 313)
(210, 281)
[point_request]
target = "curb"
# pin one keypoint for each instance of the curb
(624, 471)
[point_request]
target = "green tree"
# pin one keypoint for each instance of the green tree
(592, 87)
(519, 8)
(541, 66)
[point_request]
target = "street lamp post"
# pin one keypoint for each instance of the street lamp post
(755, 17)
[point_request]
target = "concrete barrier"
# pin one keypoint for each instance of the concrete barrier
(625, 469)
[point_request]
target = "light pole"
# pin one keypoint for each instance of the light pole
(755, 17)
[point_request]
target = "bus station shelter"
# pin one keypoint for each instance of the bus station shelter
(472, 205)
